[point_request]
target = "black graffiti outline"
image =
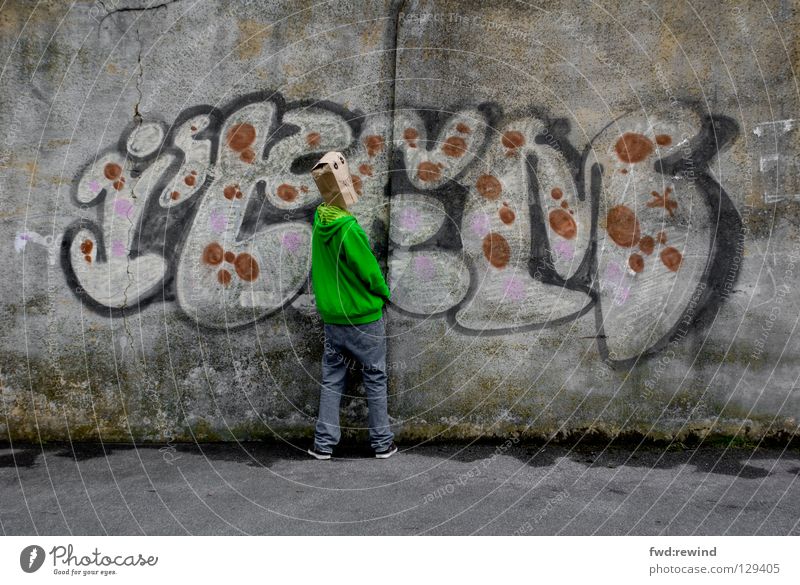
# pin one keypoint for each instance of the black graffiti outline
(453, 196)
(173, 226)
(716, 134)
(165, 230)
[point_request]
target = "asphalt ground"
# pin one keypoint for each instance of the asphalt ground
(501, 488)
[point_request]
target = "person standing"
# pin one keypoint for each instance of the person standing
(350, 294)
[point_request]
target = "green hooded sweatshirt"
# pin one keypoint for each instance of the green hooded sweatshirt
(345, 276)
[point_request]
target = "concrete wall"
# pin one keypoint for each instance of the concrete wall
(588, 214)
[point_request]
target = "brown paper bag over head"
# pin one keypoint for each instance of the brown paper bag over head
(332, 176)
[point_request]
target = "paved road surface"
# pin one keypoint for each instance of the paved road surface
(256, 488)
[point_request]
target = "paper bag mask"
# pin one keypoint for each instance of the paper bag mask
(332, 176)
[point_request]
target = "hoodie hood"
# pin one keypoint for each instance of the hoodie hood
(329, 219)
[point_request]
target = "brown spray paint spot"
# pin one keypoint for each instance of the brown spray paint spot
(224, 277)
(313, 139)
(556, 193)
(624, 171)
(633, 147)
(507, 215)
(175, 195)
(230, 257)
(489, 186)
(213, 254)
(230, 192)
(636, 263)
(357, 185)
(240, 136)
(647, 245)
(365, 169)
(194, 172)
(670, 205)
(562, 223)
(248, 156)
(427, 171)
(112, 171)
(374, 144)
(463, 128)
(671, 258)
(303, 189)
(194, 128)
(513, 139)
(88, 259)
(87, 246)
(190, 180)
(661, 237)
(119, 185)
(246, 267)
(564, 205)
(622, 226)
(287, 192)
(496, 250)
(410, 135)
(454, 146)
(663, 139)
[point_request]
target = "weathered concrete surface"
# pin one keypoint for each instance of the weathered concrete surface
(447, 489)
(588, 215)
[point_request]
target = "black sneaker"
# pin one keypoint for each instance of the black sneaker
(386, 453)
(318, 454)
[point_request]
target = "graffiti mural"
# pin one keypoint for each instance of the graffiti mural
(497, 222)
(212, 212)
(524, 232)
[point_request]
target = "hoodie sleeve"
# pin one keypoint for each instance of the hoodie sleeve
(363, 262)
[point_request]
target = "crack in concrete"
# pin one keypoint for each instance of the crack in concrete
(132, 8)
(137, 116)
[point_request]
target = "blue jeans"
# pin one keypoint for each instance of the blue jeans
(367, 344)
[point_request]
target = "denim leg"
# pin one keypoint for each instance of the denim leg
(334, 368)
(367, 342)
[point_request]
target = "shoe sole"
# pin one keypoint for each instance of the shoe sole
(320, 456)
(386, 455)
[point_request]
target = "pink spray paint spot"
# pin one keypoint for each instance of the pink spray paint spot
(480, 224)
(613, 271)
(424, 266)
(409, 219)
(94, 186)
(123, 208)
(565, 249)
(217, 221)
(514, 289)
(118, 248)
(613, 277)
(621, 295)
(291, 241)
